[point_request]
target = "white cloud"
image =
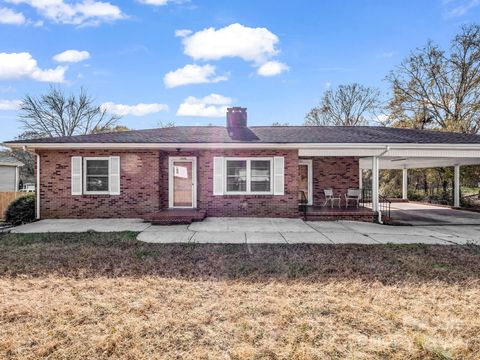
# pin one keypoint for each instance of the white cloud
(182, 32)
(250, 44)
(14, 66)
(9, 104)
(192, 74)
(86, 12)
(10, 17)
(72, 56)
(386, 55)
(455, 8)
(272, 68)
(134, 110)
(7, 89)
(213, 105)
(155, 2)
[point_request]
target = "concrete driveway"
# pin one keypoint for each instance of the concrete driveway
(426, 214)
(272, 231)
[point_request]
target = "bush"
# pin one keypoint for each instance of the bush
(21, 210)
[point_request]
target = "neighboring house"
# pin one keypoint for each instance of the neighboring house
(228, 171)
(9, 174)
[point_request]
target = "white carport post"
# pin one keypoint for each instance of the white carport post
(360, 178)
(456, 185)
(375, 190)
(405, 184)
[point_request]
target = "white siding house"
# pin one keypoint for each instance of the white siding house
(9, 174)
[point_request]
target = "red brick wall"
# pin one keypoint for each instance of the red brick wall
(338, 173)
(139, 183)
(239, 205)
(144, 184)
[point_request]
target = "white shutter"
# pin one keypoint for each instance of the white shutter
(278, 175)
(77, 175)
(114, 175)
(218, 175)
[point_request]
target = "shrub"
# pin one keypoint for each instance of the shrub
(21, 210)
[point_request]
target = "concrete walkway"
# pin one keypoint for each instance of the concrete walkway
(267, 231)
(73, 225)
(295, 231)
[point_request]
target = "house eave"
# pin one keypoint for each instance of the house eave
(183, 146)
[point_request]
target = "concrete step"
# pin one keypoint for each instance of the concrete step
(175, 216)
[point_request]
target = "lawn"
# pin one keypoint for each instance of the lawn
(109, 296)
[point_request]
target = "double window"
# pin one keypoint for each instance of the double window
(248, 175)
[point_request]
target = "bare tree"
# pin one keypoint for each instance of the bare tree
(166, 124)
(116, 128)
(55, 114)
(436, 89)
(348, 105)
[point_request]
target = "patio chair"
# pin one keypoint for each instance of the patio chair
(353, 195)
(329, 196)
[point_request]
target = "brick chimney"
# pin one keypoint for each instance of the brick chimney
(236, 117)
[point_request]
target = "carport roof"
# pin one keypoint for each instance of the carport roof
(266, 135)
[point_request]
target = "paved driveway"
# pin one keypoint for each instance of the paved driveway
(426, 214)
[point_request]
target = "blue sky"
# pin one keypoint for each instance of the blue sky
(273, 57)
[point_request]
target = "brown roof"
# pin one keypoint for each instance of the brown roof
(269, 134)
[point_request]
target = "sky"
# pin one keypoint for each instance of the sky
(157, 61)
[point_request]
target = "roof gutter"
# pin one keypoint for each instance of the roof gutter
(375, 146)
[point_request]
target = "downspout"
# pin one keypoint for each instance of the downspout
(37, 186)
(387, 149)
(37, 189)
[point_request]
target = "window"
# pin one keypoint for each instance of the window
(249, 176)
(236, 175)
(96, 175)
(260, 178)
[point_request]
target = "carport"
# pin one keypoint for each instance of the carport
(421, 156)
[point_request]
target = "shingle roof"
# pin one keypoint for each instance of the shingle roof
(9, 161)
(270, 134)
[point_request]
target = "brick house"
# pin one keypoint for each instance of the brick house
(234, 170)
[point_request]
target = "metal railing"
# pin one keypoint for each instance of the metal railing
(302, 201)
(384, 205)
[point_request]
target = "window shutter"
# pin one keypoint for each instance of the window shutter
(278, 175)
(114, 175)
(218, 175)
(77, 175)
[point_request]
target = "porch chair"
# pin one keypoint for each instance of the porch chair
(329, 196)
(353, 195)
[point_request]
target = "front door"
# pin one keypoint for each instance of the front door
(305, 179)
(182, 182)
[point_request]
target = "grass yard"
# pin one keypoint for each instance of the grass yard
(109, 296)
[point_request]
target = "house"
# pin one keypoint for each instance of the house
(9, 174)
(232, 170)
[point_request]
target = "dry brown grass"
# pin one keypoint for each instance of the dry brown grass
(107, 295)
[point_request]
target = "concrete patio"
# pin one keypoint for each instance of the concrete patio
(267, 230)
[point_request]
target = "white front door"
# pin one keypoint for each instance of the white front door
(305, 179)
(182, 182)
